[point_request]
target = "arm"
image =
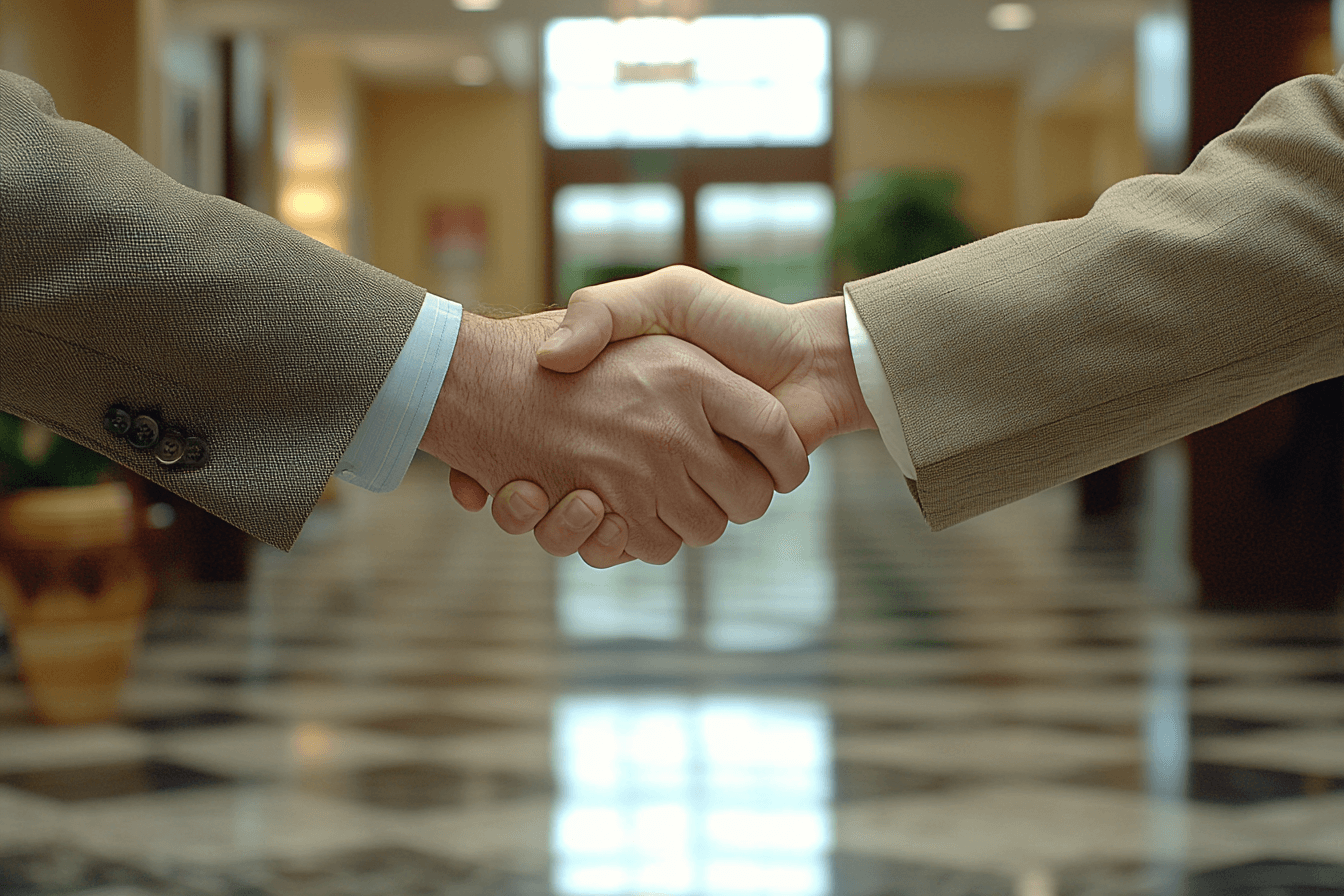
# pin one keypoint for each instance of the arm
(120, 286)
(1041, 354)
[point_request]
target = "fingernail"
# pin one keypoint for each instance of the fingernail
(521, 507)
(608, 533)
(578, 515)
(558, 338)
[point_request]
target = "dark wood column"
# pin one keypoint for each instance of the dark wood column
(1267, 496)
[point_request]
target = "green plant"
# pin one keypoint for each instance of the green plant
(32, 458)
(897, 217)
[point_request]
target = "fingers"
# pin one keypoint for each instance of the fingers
(580, 522)
(653, 541)
(735, 481)
(694, 517)
(569, 524)
(606, 546)
(519, 506)
(466, 491)
(747, 414)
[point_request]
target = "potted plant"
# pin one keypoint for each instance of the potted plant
(896, 217)
(73, 586)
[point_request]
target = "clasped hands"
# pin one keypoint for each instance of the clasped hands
(625, 448)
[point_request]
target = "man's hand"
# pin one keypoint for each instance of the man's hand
(672, 441)
(799, 352)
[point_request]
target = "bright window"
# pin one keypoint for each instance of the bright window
(609, 231)
(715, 81)
(681, 795)
(767, 238)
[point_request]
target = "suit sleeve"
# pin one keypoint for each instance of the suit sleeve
(119, 286)
(1044, 353)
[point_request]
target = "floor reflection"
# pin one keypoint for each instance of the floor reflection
(678, 795)
(830, 701)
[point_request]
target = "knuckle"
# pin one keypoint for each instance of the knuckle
(754, 505)
(772, 421)
(708, 529)
(599, 557)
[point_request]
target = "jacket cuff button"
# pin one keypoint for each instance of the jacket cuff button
(117, 421)
(171, 448)
(195, 453)
(144, 433)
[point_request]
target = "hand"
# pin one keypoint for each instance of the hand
(798, 352)
(640, 428)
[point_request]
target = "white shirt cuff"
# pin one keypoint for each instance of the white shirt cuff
(876, 390)
(384, 445)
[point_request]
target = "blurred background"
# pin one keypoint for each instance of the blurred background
(1132, 684)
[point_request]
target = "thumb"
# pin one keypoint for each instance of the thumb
(621, 309)
(583, 333)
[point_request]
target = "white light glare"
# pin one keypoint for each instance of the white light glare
(476, 5)
(1011, 17)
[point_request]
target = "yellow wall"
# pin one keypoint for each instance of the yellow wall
(83, 52)
(1016, 167)
(965, 130)
(428, 146)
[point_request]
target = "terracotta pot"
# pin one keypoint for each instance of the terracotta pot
(74, 591)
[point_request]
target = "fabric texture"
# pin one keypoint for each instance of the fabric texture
(119, 285)
(1038, 355)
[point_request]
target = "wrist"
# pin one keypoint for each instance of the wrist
(466, 426)
(825, 319)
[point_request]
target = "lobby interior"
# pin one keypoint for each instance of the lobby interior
(1132, 684)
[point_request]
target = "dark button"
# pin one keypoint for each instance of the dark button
(144, 433)
(195, 453)
(117, 420)
(172, 447)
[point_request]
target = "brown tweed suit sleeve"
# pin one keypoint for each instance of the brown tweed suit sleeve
(119, 285)
(1040, 354)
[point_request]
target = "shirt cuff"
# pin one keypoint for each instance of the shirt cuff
(876, 390)
(385, 443)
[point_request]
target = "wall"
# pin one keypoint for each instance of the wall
(963, 129)
(83, 52)
(1017, 166)
(441, 145)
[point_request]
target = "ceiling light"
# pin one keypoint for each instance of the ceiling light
(473, 71)
(1011, 17)
(476, 5)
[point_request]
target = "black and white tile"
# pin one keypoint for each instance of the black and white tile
(830, 702)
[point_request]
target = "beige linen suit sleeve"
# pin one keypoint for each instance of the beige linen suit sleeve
(120, 286)
(1044, 353)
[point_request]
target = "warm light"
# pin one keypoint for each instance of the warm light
(309, 204)
(476, 5)
(1012, 17)
(473, 71)
(315, 154)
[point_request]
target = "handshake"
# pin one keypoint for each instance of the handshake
(625, 448)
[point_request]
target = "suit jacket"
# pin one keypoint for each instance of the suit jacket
(121, 287)
(1044, 353)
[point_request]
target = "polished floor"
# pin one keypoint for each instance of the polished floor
(830, 702)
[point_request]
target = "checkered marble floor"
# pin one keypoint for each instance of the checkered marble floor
(830, 702)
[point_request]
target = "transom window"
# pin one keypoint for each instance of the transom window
(713, 81)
